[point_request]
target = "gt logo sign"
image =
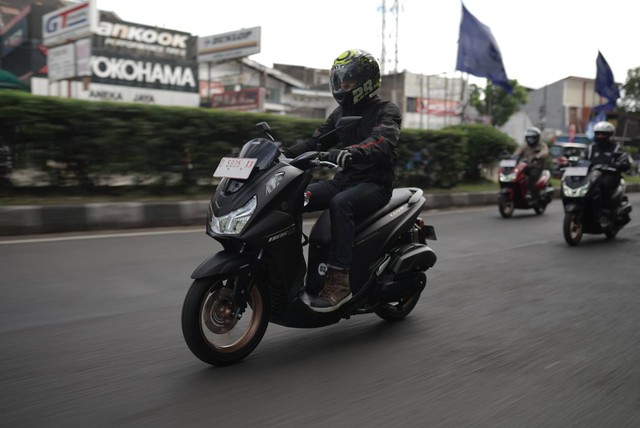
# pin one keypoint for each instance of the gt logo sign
(361, 91)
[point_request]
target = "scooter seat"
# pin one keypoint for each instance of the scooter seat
(398, 197)
(321, 231)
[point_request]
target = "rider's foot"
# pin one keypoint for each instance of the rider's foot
(528, 196)
(335, 293)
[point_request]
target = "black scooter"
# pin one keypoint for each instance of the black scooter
(580, 197)
(261, 275)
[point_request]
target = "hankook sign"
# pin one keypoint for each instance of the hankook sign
(147, 41)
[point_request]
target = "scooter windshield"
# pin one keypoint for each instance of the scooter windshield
(263, 150)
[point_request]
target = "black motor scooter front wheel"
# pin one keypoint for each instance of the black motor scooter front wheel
(218, 329)
(572, 228)
(505, 206)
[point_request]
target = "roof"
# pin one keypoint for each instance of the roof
(272, 72)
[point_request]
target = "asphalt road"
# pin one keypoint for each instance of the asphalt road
(515, 329)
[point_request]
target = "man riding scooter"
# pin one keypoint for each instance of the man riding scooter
(534, 152)
(606, 152)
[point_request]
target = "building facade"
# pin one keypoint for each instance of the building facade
(563, 105)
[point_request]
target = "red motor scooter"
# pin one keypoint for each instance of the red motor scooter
(513, 187)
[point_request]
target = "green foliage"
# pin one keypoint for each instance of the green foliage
(431, 158)
(631, 100)
(485, 144)
(493, 101)
(80, 143)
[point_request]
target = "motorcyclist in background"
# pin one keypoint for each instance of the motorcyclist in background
(535, 151)
(605, 151)
(368, 157)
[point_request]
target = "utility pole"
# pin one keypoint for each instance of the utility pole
(383, 54)
(396, 11)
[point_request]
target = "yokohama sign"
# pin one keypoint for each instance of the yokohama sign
(163, 75)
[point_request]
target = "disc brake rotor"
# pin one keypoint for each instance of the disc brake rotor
(220, 310)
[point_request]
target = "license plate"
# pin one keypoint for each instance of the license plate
(508, 163)
(239, 168)
(576, 171)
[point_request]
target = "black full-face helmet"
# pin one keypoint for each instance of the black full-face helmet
(355, 74)
(603, 132)
(532, 136)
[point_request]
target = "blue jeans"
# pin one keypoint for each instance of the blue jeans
(346, 203)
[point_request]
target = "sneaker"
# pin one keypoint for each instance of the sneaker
(528, 196)
(335, 293)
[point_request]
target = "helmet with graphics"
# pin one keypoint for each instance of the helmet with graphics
(355, 74)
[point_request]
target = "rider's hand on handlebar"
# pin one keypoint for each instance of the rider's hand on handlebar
(339, 157)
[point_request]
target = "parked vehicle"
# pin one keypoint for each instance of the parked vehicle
(513, 188)
(560, 154)
(261, 275)
(580, 194)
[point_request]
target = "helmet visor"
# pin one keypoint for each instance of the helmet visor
(342, 80)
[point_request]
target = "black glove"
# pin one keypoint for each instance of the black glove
(623, 165)
(286, 152)
(340, 157)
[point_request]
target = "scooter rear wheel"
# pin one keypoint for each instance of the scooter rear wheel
(611, 233)
(540, 207)
(217, 329)
(395, 311)
(505, 206)
(572, 229)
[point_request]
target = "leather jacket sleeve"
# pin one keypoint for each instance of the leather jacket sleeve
(379, 147)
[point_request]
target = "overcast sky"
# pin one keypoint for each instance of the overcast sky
(541, 41)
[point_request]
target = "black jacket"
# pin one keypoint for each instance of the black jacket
(609, 154)
(372, 144)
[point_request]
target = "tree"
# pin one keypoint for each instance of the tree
(631, 100)
(494, 102)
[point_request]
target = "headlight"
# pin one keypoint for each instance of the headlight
(234, 222)
(508, 177)
(274, 182)
(578, 192)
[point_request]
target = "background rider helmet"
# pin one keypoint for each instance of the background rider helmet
(355, 74)
(603, 133)
(532, 136)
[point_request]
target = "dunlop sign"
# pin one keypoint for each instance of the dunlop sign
(235, 44)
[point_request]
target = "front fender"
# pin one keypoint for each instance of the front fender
(572, 206)
(224, 262)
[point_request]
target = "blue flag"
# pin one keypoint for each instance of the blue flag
(478, 52)
(606, 87)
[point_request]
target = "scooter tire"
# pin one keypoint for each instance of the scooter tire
(210, 329)
(396, 311)
(540, 208)
(505, 206)
(611, 233)
(572, 229)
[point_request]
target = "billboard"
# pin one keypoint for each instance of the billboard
(234, 44)
(16, 33)
(130, 94)
(128, 54)
(129, 38)
(69, 23)
(438, 107)
(245, 99)
(176, 75)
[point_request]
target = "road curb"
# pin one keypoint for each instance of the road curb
(35, 219)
